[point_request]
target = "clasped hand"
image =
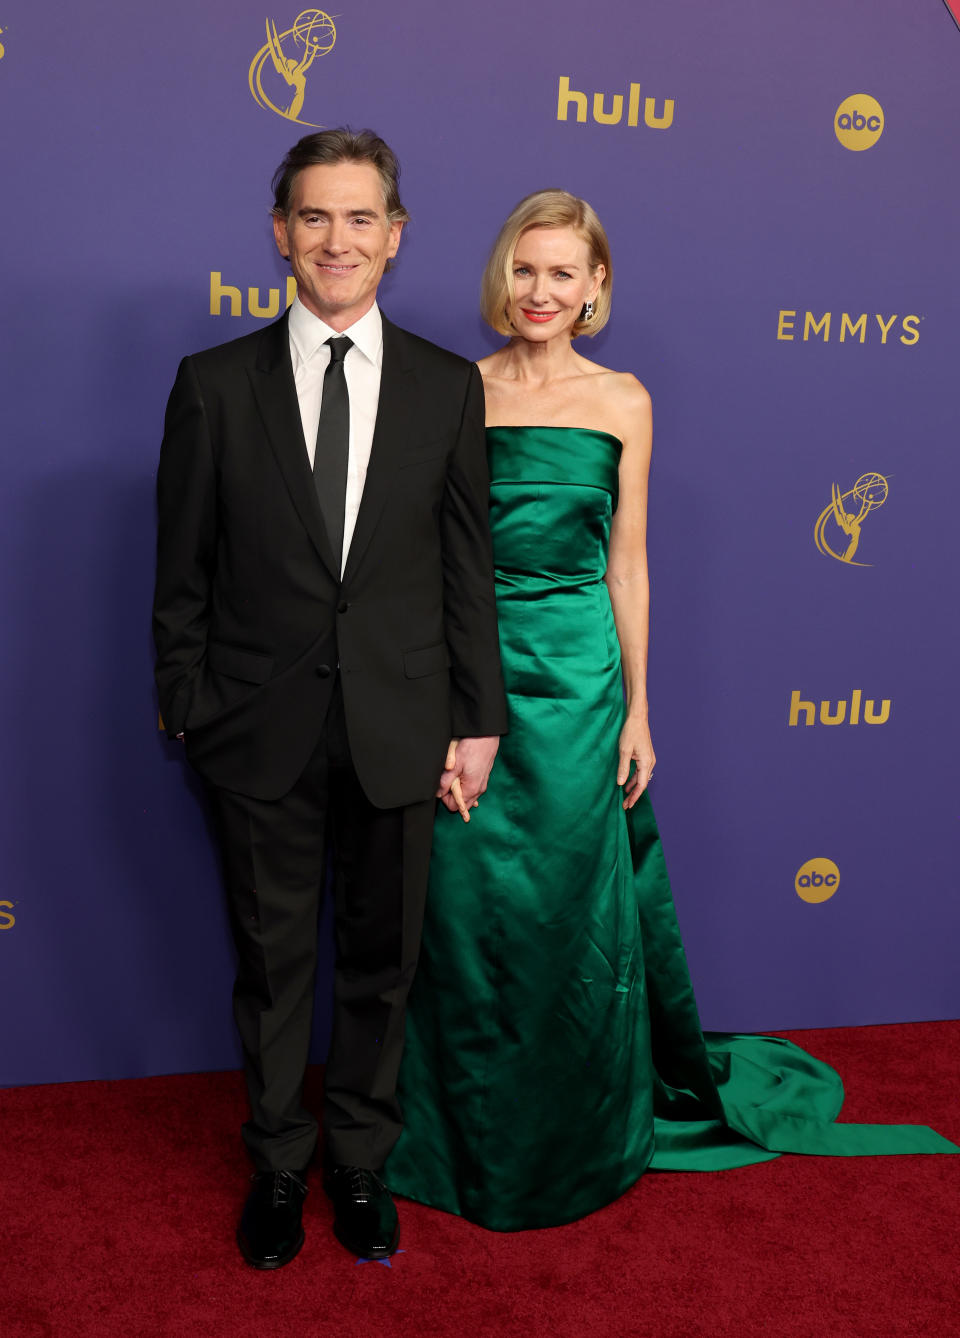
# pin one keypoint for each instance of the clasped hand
(466, 772)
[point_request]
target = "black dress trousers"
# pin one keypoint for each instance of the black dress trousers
(275, 861)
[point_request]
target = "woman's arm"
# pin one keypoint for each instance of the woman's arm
(628, 584)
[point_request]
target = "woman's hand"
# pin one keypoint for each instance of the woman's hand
(635, 746)
(451, 790)
(466, 773)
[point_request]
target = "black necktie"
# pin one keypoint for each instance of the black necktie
(333, 445)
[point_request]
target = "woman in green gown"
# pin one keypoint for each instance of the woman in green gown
(554, 1050)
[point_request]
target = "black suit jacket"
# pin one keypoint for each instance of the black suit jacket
(251, 617)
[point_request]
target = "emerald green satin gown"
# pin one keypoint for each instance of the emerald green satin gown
(554, 1050)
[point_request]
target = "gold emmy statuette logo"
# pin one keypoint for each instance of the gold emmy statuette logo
(858, 123)
(817, 880)
(313, 34)
(3, 49)
(847, 511)
(7, 918)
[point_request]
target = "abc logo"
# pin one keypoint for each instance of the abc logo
(859, 122)
(817, 880)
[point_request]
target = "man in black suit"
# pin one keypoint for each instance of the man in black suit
(325, 627)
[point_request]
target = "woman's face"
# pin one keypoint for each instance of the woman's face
(552, 279)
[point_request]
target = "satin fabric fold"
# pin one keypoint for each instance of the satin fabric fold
(554, 1050)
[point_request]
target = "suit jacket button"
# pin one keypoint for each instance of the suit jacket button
(323, 670)
(342, 606)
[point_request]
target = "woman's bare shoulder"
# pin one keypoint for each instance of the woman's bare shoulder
(630, 405)
(630, 393)
(622, 385)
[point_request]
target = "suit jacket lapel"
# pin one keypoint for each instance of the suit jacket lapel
(396, 412)
(276, 396)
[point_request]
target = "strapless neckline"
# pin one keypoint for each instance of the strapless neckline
(551, 427)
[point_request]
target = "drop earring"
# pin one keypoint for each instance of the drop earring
(587, 312)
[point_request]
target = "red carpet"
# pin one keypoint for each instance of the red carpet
(117, 1204)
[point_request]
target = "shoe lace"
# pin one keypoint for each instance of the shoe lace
(363, 1183)
(285, 1184)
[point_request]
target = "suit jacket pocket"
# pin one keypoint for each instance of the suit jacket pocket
(426, 660)
(247, 665)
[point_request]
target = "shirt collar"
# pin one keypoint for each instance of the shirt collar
(308, 333)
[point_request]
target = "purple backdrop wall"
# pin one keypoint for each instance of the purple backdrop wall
(137, 164)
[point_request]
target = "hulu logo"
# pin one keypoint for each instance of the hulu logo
(831, 713)
(221, 292)
(568, 97)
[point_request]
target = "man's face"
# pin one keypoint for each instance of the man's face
(338, 240)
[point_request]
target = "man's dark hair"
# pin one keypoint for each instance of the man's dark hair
(341, 145)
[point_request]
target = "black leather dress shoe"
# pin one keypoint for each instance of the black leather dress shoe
(270, 1232)
(365, 1220)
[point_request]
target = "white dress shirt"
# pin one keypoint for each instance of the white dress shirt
(310, 357)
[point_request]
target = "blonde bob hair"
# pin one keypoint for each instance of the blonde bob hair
(544, 209)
